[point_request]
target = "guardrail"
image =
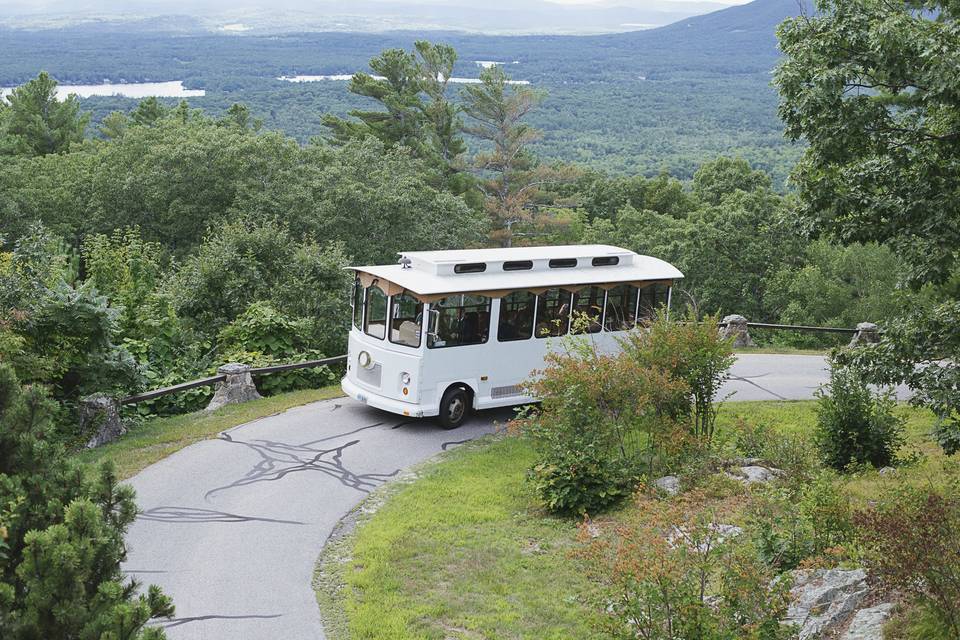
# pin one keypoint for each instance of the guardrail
(235, 381)
(800, 327)
(222, 377)
(737, 328)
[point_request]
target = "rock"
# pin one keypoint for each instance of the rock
(100, 414)
(824, 599)
(236, 388)
(721, 533)
(668, 484)
(867, 333)
(888, 471)
(754, 473)
(867, 624)
(735, 326)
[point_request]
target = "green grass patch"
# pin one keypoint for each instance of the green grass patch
(156, 438)
(789, 351)
(465, 551)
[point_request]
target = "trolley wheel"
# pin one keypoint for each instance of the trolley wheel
(454, 407)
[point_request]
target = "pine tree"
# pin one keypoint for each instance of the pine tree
(61, 535)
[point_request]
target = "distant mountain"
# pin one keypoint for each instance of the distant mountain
(251, 17)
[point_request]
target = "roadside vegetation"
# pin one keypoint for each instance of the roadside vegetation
(467, 550)
(617, 509)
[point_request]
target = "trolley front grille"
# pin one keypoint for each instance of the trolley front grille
(506, 392)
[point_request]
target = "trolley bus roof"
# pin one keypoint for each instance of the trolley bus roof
(431, 273)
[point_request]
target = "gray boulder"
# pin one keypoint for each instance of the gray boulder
(236, 388)
(735, 327)
(752, 474)
(668, 484)
(867, 333)
(867, 624)
(100, 414)
(824, 599)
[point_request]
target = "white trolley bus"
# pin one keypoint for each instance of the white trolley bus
(444, 332)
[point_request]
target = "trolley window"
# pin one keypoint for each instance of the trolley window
(621, 313)
(652, 297)
(459, 320)
(588, 307)
(516, 316)
(375, 320)
(357, 303)
(406, 318)
(553, 313)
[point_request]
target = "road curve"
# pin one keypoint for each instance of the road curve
(231, 527)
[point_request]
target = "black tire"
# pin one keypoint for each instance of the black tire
(454, 407)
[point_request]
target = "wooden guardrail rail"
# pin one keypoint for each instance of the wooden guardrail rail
(212, 380)
(728, 323)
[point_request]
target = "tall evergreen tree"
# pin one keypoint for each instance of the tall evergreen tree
(510, 174)
(412, 88)
(61, 535)
(39, 122)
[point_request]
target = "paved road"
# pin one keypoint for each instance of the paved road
(231, 527)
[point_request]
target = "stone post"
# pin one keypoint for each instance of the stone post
(867, 333)
(100, 415)
(238, 386)
(735, 326)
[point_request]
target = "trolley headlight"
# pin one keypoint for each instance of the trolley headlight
(405, 378)
(365, 360)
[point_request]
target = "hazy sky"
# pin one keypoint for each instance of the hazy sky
(40, 5)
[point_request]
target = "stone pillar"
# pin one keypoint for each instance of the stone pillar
(100, 416)
(238, 386)
(735, 326)
(867, 333)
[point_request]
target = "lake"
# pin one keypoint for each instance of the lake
(172, 89)
(343, 76)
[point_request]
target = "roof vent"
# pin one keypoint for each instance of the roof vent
(606, 261)
(470, 267)
(563, 263)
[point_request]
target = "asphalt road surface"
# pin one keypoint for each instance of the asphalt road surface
(231, 527)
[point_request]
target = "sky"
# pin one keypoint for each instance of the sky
(88, 5)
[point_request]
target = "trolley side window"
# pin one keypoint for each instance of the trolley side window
(458, 320)
(406, 316)
(621, 314)
(357, 303)
(587, 310)
(553, 313)
(652, 298)
(375, 321)
(516, 316)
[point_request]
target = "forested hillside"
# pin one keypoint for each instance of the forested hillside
(638, 102)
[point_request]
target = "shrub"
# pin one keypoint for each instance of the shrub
(855, 425)
(668, 572)
(691, 351)
(262, 336)
(804, 522)
(61, 535)
(911, 543)
(602, 418)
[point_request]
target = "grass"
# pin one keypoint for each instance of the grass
(157, 438)
(465, 551)
(792, 351)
